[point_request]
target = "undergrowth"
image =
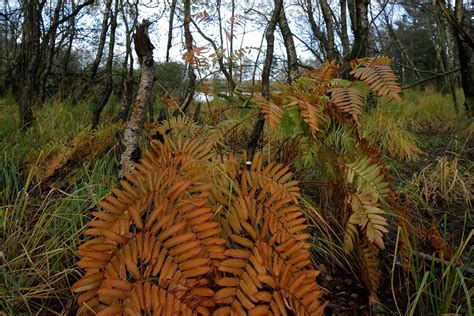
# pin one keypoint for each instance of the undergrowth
(427, 261)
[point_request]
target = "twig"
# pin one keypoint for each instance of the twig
(431, 78)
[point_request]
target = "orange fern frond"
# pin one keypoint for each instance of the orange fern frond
(327, 71)
(268, 260)
(378, 74)
(271, 111)
(348, 100)
(158, 250)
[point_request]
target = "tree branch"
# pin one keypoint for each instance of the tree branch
(431, 78)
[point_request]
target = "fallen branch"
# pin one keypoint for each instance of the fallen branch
(437, 261)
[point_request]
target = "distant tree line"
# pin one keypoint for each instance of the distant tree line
(84, 49)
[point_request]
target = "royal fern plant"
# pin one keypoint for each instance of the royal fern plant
(192, 234)
(329, 106)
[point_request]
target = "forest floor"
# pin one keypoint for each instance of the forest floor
(52, 177)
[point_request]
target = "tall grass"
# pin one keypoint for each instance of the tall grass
(391, 134)
(434, 284)
(41, 225)
(40, 236)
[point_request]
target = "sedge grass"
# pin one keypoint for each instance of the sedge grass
(40, 237)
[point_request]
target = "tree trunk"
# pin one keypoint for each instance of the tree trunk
(293, 70)
(332, 54)
(465, 61)
(127, 72)
(344, 36)
(442, 52)
(317, 33)
(231, 49)
(270, 37)
(144, 50)
(108, 69)
(188, 96)
(51, 43)
(100, 47)
(170, 29)
(72, 35)
(29, 61)
(126, 99)
(358, 10)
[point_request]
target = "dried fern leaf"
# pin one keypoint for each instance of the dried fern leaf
(327, 71)
(378, 74)
(271, 111)
(270, 265)
(156, 246)
(368, 175)
(368, 216)
(348, 100)
(371, 273)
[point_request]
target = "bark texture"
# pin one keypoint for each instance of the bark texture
(29, 61)
(317, 32)
(170, 29)
(127, 67)
(331, 53)
(188, 96)
(144, 50)
(358, 10)
(108, 69)
(293, 70)
(466, 61)
(344, 36)
(101, 45)
(51, 42)
(270, 37)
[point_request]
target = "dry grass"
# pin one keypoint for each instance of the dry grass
(444, 183)
(390, 134)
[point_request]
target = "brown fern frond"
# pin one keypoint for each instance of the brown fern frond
(378, 74)
(348, 100)
(368, 216)
(271, 111)
(157, 250)
(366, 225)
(371, 273)
(149, 229)
(327, 71)
(351, 234)
(268, 260)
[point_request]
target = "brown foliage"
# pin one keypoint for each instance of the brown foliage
(190, 235)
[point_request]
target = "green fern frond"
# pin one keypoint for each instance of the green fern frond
(340, 138)
(368, 175)
(308, 148)
(291, 123)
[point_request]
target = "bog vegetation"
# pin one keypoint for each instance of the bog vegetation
(325, 179)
